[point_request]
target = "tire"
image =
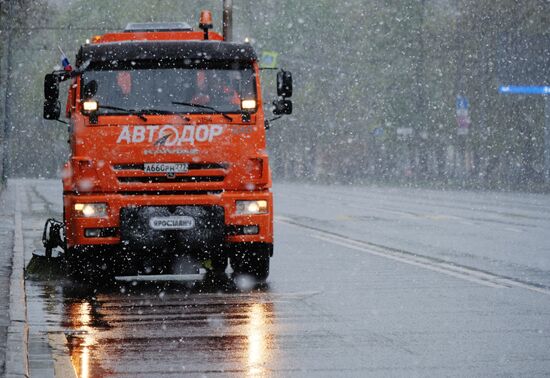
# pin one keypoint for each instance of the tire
(219, 264)
(255, 265)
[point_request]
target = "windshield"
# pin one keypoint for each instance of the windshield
(213, 89)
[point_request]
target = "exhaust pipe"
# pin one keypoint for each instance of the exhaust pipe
(227, 20)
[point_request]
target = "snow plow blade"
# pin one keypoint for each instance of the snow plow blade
(43, 267)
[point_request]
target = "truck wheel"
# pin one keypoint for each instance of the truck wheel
(219, 264)
(251, 264)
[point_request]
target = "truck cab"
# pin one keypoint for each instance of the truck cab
(167, 153)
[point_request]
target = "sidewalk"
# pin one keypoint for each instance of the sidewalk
(7, 201)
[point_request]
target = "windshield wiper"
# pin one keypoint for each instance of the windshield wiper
(163, 112)
(141, 112)
(203, 107)
(138, 113)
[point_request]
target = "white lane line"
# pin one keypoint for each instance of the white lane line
(523, 285)
(448, 268)
(513, 229)
(411, 261)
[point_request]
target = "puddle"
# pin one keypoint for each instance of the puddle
(148, 329)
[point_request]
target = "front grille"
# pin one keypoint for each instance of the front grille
(191, 166)
(173, 192)
(165, 179)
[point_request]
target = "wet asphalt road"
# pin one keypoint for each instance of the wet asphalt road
(364, 282)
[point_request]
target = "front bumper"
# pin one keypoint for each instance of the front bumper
(77, 226)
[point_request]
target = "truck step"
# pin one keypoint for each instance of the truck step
(162, 277)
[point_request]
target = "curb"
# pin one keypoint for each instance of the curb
(17, 361)
(63, 366)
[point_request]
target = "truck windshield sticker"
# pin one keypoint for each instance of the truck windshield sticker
(169, 135)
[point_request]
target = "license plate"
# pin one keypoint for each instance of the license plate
(181, 222)
(165, 167)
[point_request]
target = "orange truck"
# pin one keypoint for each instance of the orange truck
(168, 155)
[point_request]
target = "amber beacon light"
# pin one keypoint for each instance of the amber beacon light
(205, 22)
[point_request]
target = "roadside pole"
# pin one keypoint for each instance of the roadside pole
(6, 60)
(547, 139)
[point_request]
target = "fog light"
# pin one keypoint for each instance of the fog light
(92, 232)
(251, 230)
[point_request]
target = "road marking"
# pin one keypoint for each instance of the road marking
(513, 229)
(418, 261)
(435, 264)
(466, 223)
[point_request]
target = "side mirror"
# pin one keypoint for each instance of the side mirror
(282, 107)
(52, 107)
(284, 84)
(90, 89)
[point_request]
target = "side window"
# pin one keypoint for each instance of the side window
(247, 81)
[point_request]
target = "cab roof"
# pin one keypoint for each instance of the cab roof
(129, 51)
(157, 26)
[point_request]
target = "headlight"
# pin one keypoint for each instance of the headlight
(89, 210)
(90, 106)
(251, 207)
(248, 105)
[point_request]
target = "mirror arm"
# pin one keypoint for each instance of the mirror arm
(267, 122)
(275, 118)
(62, 75)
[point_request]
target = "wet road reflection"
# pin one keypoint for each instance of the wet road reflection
(259, 339)
(169, 330)
(80, 336)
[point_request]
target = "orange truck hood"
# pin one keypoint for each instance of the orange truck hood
(221, 155)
